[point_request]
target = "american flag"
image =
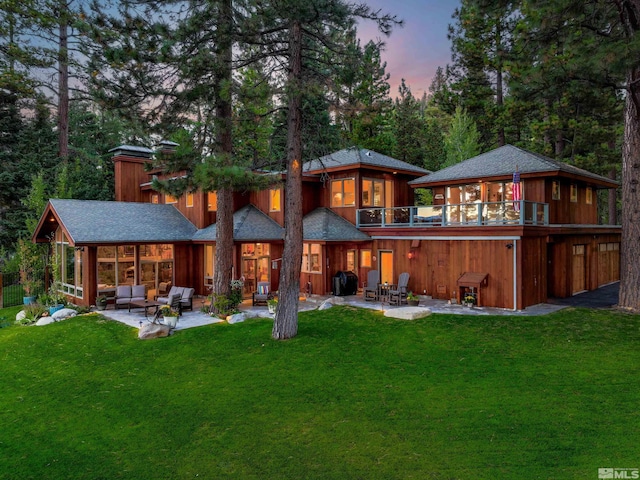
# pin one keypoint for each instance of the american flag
(517, 193)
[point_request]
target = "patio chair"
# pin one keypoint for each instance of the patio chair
(398, 295)
(262, 294)
(138, 292)
(370, 289)
(173, 291)
(123, 296)
(186, 300)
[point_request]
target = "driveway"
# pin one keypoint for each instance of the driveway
(603, 297)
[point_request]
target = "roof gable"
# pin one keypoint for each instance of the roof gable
(350, 158)
(103, 222)
(503, 162)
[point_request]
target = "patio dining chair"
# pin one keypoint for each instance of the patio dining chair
(398, 295)
(370, 289)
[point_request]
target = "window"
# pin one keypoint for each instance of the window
(351, 260)
(274, 200)
(69, 265)
(574, 193)
(343, 192)
(373, 193)
(209, 263)
(189, 200)
(312, 258)
(212, 201)
(555, 190)
(170, 199)
(365, 258)
(154, 198)
(589, 195)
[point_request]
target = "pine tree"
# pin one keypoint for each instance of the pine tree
(463, 140)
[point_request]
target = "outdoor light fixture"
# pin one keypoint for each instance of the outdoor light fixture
(411, 255)
(509, 246)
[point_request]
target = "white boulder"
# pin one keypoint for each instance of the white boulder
(153, 330)
(45, 321)
(21, 316)
(64, 313)
(236, 318)
(408, 313)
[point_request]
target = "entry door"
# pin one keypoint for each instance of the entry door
(579, 269)
(249, 274)
(386, 266)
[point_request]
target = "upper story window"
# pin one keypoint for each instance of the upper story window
(555, 190)
(154, 198)
(212, 201)
(588, 196)
(189, 200)
(471, 193)
(343, 192)
(170, 199)
(574, 193)
(274, 200)
(373, 193)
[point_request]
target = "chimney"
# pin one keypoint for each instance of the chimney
(129, 171)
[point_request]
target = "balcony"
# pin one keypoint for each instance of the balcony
(521, 212)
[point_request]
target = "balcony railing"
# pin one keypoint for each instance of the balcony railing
(521, 212)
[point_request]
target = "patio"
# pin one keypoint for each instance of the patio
(196, 318)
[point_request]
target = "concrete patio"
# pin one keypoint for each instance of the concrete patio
(196, 318)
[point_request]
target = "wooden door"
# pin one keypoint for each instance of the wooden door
(579, 269)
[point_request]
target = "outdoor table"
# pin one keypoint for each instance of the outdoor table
(383, 291)
(146, 304)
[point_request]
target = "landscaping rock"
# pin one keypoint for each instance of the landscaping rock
(236, 318)
(21, 316)
(326, 305)
(64, 313)
(153, 330)
(408, 313)
(45, 321)
(336, 300)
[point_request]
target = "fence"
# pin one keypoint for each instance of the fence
(11, 292)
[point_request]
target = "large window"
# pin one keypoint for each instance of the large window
(69, 265)
(351, 261)
(343, 192)
(209, 263)
(312, 258)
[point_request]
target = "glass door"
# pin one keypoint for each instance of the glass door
(386, 266)
(249, 274)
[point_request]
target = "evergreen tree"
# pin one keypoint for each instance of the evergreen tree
(462, 141)
(409, 127)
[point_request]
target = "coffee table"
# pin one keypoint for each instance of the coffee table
(146, 304)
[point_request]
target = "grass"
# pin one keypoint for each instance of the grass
(355, 395)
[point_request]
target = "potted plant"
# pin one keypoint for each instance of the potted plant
(469, 300)
(101, 302)
(169, 316)
(412, 299)
(272, 305)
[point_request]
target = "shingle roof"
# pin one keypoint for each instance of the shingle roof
(323, 224)
(504, 161)
(352, 157)
(91, 221)
(249, 224)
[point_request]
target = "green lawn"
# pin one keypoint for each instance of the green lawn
(355, 395)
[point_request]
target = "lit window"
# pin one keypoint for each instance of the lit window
(154, 198)
(351, 260)
(574, 192)
(170, 199)
(312, 257)
(365, 258)
(343, 192)
(189, 200)
(373, 193)
(274, 200)
(589, 195)
(555, 190)
(212, 201)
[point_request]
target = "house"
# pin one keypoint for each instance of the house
(511, 243)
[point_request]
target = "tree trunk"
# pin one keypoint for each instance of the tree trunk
(224, 146)
(285, 324)
(499, 87)
(613, 199)
(63, 81)
(630, 248)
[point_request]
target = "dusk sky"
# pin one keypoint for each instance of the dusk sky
(414, 51)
